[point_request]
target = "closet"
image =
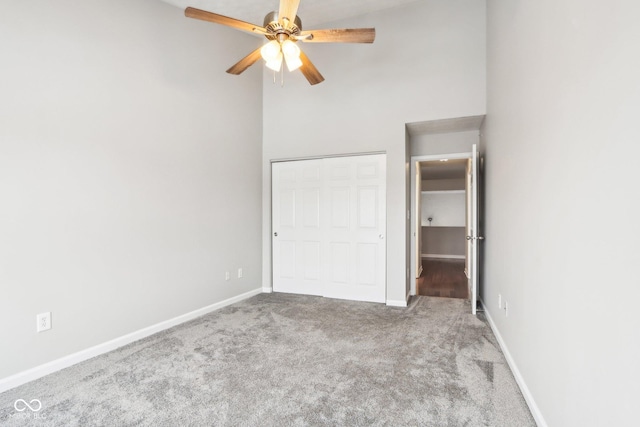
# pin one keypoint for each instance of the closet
(329, 225)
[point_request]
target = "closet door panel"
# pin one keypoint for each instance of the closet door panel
(297, 227)
(357, 186)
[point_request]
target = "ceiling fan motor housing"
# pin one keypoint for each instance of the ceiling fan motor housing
(278, 31)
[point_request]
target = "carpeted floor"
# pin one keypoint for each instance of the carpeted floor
(289, 360)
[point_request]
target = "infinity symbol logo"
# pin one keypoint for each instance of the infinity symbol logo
(22, 405)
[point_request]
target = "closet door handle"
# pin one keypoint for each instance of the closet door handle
(275, 234)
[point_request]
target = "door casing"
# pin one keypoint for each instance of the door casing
(415, 206)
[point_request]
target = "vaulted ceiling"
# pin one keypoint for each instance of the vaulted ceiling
(312, 12)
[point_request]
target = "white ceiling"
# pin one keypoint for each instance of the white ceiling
(312, 12)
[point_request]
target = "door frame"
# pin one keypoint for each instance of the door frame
(414, 205)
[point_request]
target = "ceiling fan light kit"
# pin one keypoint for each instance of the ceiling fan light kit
(283, 29)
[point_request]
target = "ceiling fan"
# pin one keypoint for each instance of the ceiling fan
(283, 29)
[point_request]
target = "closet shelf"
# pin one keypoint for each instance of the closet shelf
(443, 192)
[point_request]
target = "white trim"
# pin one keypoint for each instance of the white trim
(327, 156)
(453, 156)
(88, 353)
(266, 290)
(442, 256)
(396, 303)
(533, 407)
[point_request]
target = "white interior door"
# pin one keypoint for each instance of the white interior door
(297, 230)
(473, 238)
(418, 224)
(329, 219)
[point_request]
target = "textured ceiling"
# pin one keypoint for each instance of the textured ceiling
(312, 12)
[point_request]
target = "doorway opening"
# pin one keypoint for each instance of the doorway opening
(447, 239)
(442, 213)
(446, 150)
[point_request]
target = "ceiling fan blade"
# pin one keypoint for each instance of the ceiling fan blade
(288, 9)
(203, 15)
(310, 71)
(245, 62)
(345, 35)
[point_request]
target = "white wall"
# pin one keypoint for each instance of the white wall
(129, 171)
(427, 63)
(561, 153)
(444, 208)
(443, 143)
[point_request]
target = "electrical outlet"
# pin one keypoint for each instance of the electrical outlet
(240, 273)
(506, 309)
(499, 300)
(227, 276)
(43, 322)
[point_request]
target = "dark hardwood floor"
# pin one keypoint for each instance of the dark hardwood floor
(443, 278)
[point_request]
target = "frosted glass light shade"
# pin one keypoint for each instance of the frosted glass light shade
(270, 51)
(293, 63)
(291, 55)
(275, 63)
(290, 48)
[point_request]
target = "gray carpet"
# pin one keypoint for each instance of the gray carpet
(288, 360)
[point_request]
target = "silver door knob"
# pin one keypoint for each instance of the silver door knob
(469, 238)
(381, 236)
(275, 234)
(480, 237)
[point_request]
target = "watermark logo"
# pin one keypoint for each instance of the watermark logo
(34, 406)
(21, 405)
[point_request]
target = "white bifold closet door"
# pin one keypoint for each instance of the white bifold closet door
(329, 219)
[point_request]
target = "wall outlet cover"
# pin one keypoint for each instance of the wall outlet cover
(43, 322)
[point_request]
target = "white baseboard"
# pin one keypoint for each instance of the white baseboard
(267, 290)
(533, 407)
(72, 359)
(396, 303)
(440, 256)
